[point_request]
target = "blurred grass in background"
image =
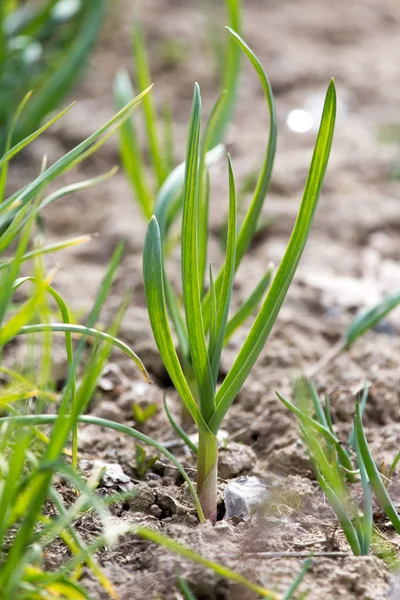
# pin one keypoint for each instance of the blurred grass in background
(44, 45)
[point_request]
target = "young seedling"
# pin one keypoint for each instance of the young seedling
(333, 465)
(334, 470)
(365, 320)
(206, 321)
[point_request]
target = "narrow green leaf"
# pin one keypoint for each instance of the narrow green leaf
(269, 311)
(249, 224)
(231, 71)
(367, 319)
(65, 162)
(76, 187)
(328, 435)
(178, 430)
(367, 519)
(225, 293)
(143, 78)
(289, 595)
(190, 261)
(87, 331)
(154, 286)
(172, 188)
(5, 159)
(29, 420)
(4, 169)
(72, 242)
(166, 542)
(363, 404)
(342, 515)
(185, 589)
(129, 147)
(373, 473)
(213, 325)
(394, 465)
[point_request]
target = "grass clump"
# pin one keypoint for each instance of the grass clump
(29, 459)
(338, 466)
(203, 326)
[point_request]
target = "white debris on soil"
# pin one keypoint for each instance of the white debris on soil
(112, 476)
(244, 497)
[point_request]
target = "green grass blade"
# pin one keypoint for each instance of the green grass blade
(286, 271)
(330, 437)
(373, 473)
(154, 286)
(394, 464)
(129, 147)
(87, 331)
(185, 589)
(203, 217)
(190, 261)
(166, 542)
(5, 159)
(9, 275)
(363, 404)
(30, 420)
(319, 411)
(4, 170)
(51, 248)
(171, 189)
(342, 515)
(369, 318)
(225, 293)
(76, 187)
(248, 307)
(64, 163)
(178, 430)
(103, 292)
(178, 321)
(368, 518)
(289, 595)
(231, 74)
(213, 324)
(143, 79)
(249, 224)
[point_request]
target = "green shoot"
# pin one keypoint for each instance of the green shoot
(206, 323)
(333, 468)
(367, 319)
(143, 463)
(141, 415)
(146, 187)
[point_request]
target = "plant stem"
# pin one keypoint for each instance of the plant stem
(207, 470)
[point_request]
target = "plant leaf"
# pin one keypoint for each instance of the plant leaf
(190, 261)
(155, 297)
(367, 319)
(269, 311)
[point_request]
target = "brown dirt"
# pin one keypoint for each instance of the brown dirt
(351, 259)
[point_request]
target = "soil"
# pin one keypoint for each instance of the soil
(352, 258)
